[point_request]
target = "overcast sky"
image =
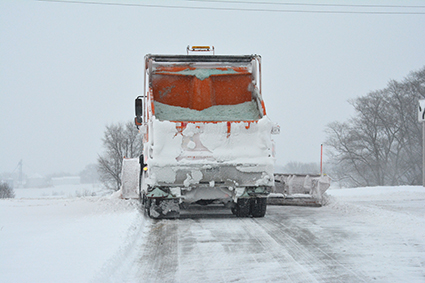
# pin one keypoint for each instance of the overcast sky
(70, 69)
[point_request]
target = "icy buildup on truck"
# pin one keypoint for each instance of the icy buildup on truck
(239, 112)
(207, 138)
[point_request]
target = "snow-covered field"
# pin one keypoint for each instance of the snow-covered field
(74, 234)
(62, 234)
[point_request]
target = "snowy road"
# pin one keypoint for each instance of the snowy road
(349, 241)
(281, 247)
(362, 235)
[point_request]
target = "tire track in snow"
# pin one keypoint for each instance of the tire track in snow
(285, 246)
(121, 264)
(225, 250)
(295, 236)
(286, 269)
(231, 252)
(336, 243)
(160, 258)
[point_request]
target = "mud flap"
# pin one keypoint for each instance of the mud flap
(243, 207)
(258, 207)
(163, 208)
(255, 207)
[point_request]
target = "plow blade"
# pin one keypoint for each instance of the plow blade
(299, 189)
(130, 178)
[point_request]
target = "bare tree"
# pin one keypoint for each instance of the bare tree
(6, 191)
(120, 140)
(90, 174)
(380, 145)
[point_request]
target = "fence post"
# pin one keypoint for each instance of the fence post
(421, 118)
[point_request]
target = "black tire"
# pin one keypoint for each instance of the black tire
(233, 209)
(243, 207)
(147, 205)
(155, 208)
(258, 207)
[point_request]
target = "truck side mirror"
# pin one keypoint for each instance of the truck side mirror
(139, 110)
(275, 129)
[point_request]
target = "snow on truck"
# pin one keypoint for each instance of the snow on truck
(206, 135)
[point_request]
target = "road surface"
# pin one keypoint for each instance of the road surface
(362, 241)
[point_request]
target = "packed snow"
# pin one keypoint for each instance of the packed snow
(201, 73)
(238, 112)
(61, 234)
(246, 146)
(79, 234)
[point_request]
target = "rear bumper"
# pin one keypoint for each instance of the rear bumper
(217, 176)
(195, 194)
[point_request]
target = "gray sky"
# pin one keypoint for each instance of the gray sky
(69, 69)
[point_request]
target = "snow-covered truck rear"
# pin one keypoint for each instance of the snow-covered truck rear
(206, 135)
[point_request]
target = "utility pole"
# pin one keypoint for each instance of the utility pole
(421, 118)
(20, 174)
(321, 160)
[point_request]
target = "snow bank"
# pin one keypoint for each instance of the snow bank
(62, 191)
(389, 228)
(396, 208)
(387, 193)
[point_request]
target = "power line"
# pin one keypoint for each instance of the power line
(308, 4)
(238, 9)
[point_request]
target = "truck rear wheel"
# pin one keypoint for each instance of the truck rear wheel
(243, 207)
(163, 208)
(147, 205)
(258, 207)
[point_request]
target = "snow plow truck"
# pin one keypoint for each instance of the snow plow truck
(206, 135)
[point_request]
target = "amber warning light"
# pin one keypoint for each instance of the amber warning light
(200, 48)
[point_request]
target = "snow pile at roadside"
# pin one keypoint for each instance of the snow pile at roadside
(379, 193)
(351, 200)
(395, 208)
(389, 228)
(62, 191)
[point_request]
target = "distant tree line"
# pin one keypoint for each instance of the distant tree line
(90, 174)
(382, 143)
